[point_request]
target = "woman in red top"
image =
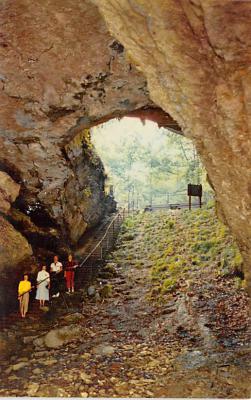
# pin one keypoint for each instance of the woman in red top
(69, 273)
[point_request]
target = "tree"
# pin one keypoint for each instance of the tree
(148, 167)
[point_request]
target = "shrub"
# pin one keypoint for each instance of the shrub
(168, 285)
(106, 291)
(203, 247)
(171, 224)
(128, 236)
(237, 261)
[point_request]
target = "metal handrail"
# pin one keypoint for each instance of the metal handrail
(101, 240)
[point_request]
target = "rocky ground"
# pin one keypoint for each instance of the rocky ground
(135, 334)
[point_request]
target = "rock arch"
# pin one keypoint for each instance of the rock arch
(61, 72)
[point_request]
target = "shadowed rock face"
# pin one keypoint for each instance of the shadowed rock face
(196, 57)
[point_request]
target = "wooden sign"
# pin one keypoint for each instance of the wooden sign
(194, 190)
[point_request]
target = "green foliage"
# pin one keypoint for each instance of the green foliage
(168, 285)
(170, 224)
(129, 223)
(210, 204)
(238, 283)
(176, 246)
(128, 236)
(203, 247)
(148, 167)
(231, 260)
(106, 291)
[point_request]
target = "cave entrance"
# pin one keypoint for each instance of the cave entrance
(147, 164)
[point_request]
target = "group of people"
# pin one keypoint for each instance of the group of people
(47, 283)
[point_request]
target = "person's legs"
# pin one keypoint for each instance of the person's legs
(72, 281)
(61, 282)
(21, 307)
(54, 284)
(57, 277)
(26, 297)
(68, 280)
(52, 291)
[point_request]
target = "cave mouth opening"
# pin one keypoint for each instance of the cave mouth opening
(147, 163)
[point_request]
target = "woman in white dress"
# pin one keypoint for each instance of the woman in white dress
(43, 288)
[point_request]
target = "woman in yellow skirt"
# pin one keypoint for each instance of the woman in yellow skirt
(24, 288)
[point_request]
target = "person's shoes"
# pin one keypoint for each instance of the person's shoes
(72, 290)
(68, 292)
(55, 295)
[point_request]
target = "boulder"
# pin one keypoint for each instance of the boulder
(18, 366)
(15, 258)
(104, 350)
(73, 318)
(91, 291)
(50, 361)
(39, 342)
(60, 336)
(29, 339)
(50, 390)
(37, 371)
(84, 395)
(85, 378)
(14, 248)
(9, 191)
(32, 389)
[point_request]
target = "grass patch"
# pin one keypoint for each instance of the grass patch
(175, 246)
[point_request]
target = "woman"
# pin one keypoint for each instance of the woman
(24, 289)
(69, 273)
(43, 283)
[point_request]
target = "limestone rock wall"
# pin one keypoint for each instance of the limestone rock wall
(196, 56)
(60, 72)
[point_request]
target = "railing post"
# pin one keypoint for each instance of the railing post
(101, 252)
